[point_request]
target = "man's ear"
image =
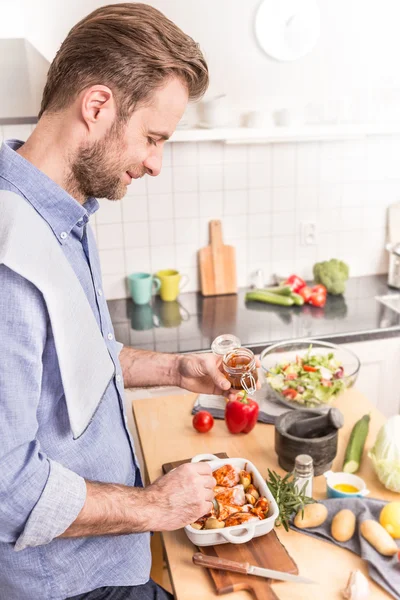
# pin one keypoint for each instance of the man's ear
(97, 109)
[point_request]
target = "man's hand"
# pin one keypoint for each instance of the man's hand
(202, 373)
(181, 497)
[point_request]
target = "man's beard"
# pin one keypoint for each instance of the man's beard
(95, 169)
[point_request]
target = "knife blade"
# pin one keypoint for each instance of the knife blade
(213, 562)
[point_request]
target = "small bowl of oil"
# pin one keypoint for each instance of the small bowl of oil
(344, 485)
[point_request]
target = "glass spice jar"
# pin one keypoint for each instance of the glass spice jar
(238, 364)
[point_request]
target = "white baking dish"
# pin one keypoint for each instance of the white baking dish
(237, 534)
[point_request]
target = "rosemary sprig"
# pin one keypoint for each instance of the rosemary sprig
(288, 498)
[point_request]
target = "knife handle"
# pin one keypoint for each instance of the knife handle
(213, 562)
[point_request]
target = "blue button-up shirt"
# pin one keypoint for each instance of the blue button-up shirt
(42, 468)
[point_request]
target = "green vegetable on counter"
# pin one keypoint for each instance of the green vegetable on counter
(355, 447)
(288, 497)
(270, 298)
(333, 274)
(385, 454)
(281, 295)
(282, 290)
(297, 299)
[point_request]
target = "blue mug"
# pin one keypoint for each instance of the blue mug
(142, 286)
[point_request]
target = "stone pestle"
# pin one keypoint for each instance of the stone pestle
(315, 426)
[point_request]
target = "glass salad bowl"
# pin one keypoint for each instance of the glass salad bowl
(308, 373)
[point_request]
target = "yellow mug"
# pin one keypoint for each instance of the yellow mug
(171, 284)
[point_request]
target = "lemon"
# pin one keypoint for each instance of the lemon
(390, 518)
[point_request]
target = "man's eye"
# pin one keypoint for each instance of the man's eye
(152, 141)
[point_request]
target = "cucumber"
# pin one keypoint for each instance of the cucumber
(282, 290)
(269, 298)
(297, 299)
(355, 447)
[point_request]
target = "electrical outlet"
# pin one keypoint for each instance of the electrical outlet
(308, 233)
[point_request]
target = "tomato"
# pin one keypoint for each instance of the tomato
(290, 393)
(318, 299)
(203, 421)
(305, 293)
(319, 289)
(310, 369)
(291, 376)
(326, 382)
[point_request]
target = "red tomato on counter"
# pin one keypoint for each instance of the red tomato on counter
(305, 293)
(203, 421)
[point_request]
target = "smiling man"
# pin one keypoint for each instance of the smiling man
(74, 516)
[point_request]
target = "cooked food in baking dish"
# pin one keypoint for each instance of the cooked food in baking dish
(237, 500)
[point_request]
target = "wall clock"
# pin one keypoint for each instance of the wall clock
(287, 29)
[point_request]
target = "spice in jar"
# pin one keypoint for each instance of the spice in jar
(240, 368)
(238, 364)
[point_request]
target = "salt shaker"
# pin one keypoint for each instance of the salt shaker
(303, 474)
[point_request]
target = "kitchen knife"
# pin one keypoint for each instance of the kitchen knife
(213, 562)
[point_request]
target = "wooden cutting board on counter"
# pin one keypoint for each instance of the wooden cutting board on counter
(265, 551)
(217, 264)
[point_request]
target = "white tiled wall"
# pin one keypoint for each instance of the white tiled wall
(262, 193)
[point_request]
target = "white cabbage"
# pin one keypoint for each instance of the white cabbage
(385, 454)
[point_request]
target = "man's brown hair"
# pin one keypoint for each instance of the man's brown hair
(132, 48)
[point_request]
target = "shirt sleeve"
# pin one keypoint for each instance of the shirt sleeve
(39, 497)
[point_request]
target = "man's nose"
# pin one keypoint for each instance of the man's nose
(153, 165)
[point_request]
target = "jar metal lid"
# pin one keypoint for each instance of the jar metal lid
(225, 343)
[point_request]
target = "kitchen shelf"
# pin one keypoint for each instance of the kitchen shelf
(273, 135)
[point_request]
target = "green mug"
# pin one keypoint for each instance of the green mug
(171, 284)
(141, 287)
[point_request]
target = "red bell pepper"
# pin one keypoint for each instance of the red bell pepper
(296, 283)
(241, 414)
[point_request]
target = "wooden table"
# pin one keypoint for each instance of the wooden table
(166, 434)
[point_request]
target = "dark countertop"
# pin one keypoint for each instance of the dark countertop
(193, 322)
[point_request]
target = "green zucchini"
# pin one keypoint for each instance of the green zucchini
(297, 299)
(269, 298)
(355, 447)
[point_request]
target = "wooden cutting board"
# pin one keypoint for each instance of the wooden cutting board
(217, 264)
(265, 551)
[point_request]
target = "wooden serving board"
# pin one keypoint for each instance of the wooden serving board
(217, 264)
(265, 551)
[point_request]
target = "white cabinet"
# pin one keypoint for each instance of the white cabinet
(379, 377)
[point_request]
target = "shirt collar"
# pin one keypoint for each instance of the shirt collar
(61, 211)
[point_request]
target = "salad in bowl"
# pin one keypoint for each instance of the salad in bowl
(308, 373)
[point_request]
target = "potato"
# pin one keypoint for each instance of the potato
(196, 525)
(213, 523)
(245, 479)
(314, 515)
(250, 498)
(378, 537)
(343, 525)
(251, 489)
